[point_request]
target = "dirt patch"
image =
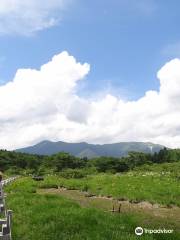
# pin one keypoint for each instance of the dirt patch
(149, 214)
(109, 204)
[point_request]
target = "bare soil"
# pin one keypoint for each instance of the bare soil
(147, 211)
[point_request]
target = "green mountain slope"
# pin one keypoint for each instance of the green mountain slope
(91, 150)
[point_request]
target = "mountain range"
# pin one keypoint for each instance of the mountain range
(84, 149)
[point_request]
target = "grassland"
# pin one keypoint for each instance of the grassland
(40, 215)
(156, 184)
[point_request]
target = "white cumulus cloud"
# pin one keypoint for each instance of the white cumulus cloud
(25, 17)
(44, 104)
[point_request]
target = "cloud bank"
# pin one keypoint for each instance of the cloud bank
(44, 104)
(25, 17)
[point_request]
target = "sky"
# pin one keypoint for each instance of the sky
(95, 71)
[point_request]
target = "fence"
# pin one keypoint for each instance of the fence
(5, 221)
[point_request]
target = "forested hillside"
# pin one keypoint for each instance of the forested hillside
(19, 163)
(84, 149)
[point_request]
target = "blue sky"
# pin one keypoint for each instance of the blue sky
(111, 73)
(124, 41)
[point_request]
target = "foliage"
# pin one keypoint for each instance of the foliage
(77, 173)
(24, 164)
(156, 183)
(110, 164)
(45, 216)
(63, 160)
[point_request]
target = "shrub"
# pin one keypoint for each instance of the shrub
(72, 173)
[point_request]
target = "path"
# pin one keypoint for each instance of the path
(144, 209)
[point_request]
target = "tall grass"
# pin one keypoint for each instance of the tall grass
(47, 217)
(136, 185)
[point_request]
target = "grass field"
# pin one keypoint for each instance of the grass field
(40, 215)
(53, 217)
(157, 184)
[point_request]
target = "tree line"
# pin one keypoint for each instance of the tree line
(16, 162)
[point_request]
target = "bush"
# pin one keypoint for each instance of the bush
(72, 173)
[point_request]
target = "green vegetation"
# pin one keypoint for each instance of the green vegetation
(21, 163)
(52, 217)
(45, 217)
(155, 186)
(74, 214)
(91, 150)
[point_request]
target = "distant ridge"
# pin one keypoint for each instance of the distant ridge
(84, 149)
